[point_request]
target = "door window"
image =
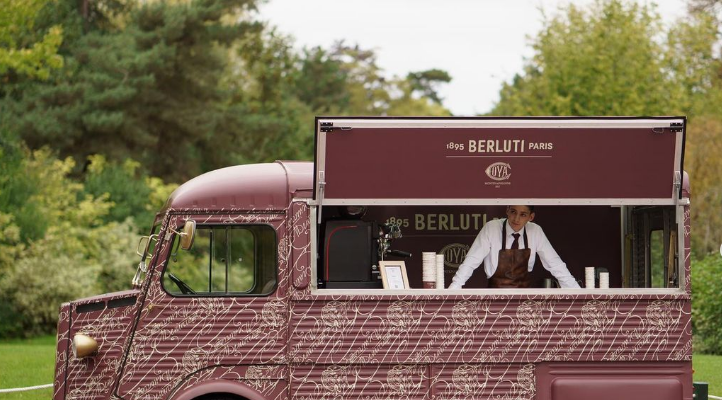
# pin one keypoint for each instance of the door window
(224, 261)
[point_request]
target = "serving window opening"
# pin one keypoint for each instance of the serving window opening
(636, 245)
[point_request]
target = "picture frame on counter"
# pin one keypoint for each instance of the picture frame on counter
(393, 275)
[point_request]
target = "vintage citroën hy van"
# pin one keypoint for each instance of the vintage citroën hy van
(300, 280)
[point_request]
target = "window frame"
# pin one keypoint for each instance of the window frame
(679, 211)
(255, 270)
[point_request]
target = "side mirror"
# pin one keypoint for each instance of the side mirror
(143, 244)
(187, 235)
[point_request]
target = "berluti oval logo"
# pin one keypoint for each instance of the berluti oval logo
(454, 254)
(499, 171)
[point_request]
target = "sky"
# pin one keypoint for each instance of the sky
(481, 43)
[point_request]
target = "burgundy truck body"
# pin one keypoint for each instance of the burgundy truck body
(610, 192)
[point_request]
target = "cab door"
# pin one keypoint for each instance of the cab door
(217, 311)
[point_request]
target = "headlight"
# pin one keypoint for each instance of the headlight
(84, 346)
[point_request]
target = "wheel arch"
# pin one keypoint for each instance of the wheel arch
(220, 387)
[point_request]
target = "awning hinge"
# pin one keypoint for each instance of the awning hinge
(328, 127)
(677, 184)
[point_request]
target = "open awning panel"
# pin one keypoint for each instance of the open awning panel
(475, 160)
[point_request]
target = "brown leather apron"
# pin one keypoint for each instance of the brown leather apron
(513, 268)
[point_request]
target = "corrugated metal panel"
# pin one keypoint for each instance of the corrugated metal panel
(483, 381)
(185, 335)
(469, 331)
(360, 382)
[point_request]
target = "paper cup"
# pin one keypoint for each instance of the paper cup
(439, 271)
(604, 280)
(589, 277)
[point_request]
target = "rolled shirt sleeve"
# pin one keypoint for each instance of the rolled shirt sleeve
(554, 264)
(474, 257)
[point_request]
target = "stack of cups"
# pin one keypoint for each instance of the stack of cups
(589, 277)
(439, 271)
(604, 280)
(428, 263)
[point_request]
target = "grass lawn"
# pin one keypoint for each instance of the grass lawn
(31, 362)
(25, 363)
(708, 369)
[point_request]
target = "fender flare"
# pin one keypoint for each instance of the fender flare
(219, 386)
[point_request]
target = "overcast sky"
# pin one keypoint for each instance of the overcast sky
(481, 43)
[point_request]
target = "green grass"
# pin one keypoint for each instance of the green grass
(31, 362)
(25, 363)
(708, 369)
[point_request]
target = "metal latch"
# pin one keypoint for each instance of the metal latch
(319, 196)
(677, 185)
(674, 127)
(328, 127)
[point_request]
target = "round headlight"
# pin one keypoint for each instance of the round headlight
(83, 345)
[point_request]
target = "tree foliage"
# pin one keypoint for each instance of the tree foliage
(104, 102)
(707, 305)
(68, 258)
(149, 91)
(20, 56)
(600, 61)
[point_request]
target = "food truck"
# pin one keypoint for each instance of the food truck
(305, 280)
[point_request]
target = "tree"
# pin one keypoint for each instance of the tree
(372, 93)
(604, 61)
(19, 56)
(321, 82)
(149, 91)
(704, 162)
(707, 305)
(427, 83)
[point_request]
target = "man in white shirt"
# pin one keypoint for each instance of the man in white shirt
(508, 248)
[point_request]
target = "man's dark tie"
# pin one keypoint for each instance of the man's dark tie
(515, 245)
